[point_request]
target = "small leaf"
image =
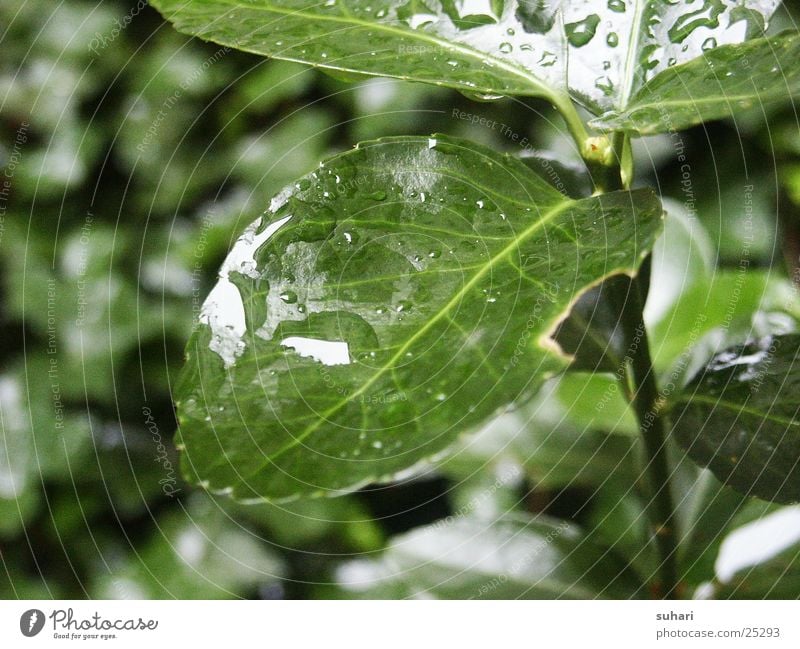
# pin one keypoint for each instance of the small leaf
(739, 417)
(715, 85)
(600, 53)
(389, 301)
(514, 557)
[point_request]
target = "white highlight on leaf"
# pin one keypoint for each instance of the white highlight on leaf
(223, 310)
(758, 542)
(327, 352)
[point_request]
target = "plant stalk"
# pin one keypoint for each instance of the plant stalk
(609, 160)
(648, 405)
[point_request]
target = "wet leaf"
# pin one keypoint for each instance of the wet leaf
(720, 83)
(514, 557)
(600, 53)
(739, 417)
(386, 303)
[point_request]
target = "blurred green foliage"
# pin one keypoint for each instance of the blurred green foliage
(133, 157)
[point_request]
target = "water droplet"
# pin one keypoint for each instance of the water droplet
(377, 196)
(605, 84)
(434, 254)
(290, 297)
(526, 47)
(510, 31)
(301, 308)
(547, 59)
(403, 306)
(431, 144)
(377, 444)
(709, 44)
(612, 40)
(303, 184)
(672, 61)
(617, 6)
(506, 48)
(581, 32)
(606, 65)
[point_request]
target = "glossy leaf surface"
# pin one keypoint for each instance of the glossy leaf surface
(599, 52)
(716, 85)
(739, 417)
(386, 303)
(513, 557)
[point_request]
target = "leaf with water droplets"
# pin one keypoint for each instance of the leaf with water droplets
(599, 52)
(716, 85)
(424, 313)
(740, 417)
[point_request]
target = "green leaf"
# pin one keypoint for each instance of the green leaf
(514, 557)
(600, 54)
(196, 552)
(386, 303)
(712, 509)
(739, 417)
(715, 85)
(761, 559)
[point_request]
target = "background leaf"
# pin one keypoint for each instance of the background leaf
(739, 417)
(541, 558)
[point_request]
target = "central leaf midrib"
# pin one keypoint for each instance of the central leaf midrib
(503, 253)
(544, 89)
(739, 409)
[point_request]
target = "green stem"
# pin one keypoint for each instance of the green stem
(610, 163)
(563, 103)
(648, 406)
(645, 398)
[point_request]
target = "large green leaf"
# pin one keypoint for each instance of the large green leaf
(514, 557)
(724, 80)
(600, 53)
(739, 417)
(399, 295)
